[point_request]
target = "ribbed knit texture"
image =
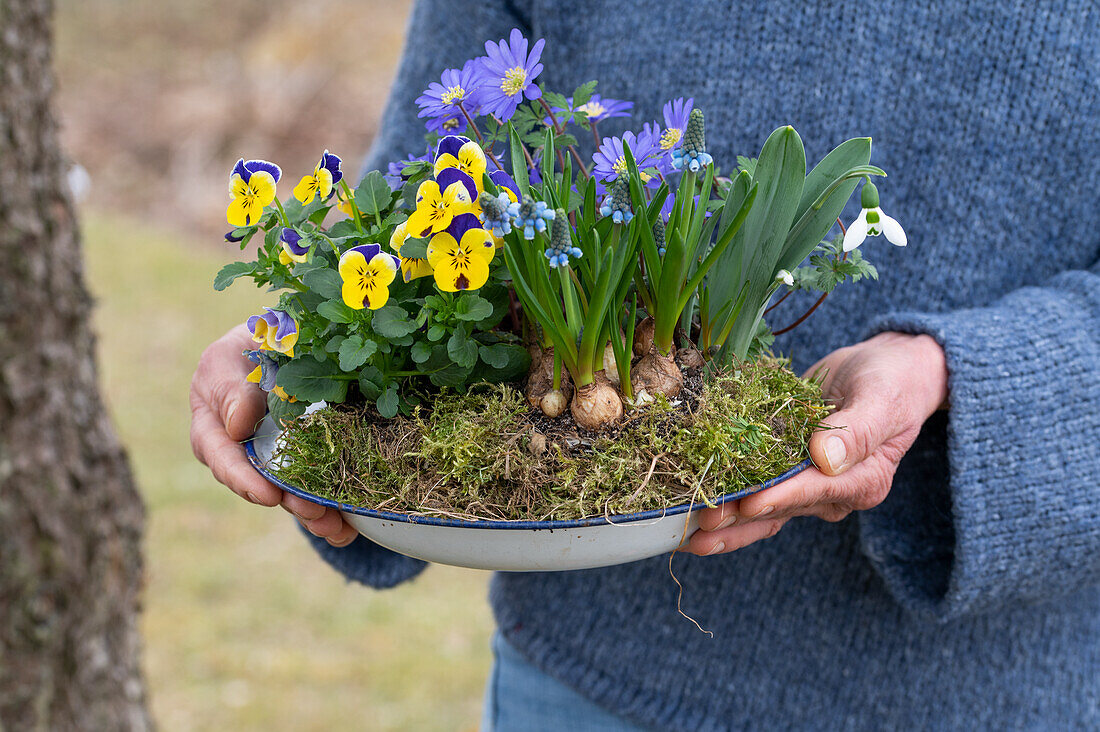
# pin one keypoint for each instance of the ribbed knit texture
(971, 597)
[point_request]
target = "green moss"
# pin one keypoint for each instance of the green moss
(486, 454)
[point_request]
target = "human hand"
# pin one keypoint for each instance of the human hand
(886, 387)
(225, 410)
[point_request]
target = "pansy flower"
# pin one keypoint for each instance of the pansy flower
(455, 151)
(507, 74)
(442, 99)
(292, 248)
(411, 269)
(252, 185)
(367, 272)
(610, 159)
(275, 330)
(439, 201)
(326, 175)
(264, 374)
(872, 222)
(460, 256)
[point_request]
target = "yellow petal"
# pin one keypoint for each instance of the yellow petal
(377, 297)
(450, 278)
(306, 189)
(238, 186)
(420, 222)
(471, 159)
(384, 267)
(281, 393)
(353, 294)
(351, 262)
(480, 242)
(254, 377)
(263, 185)
(397, 238)
(284, 256)
(440, 247)
(446, 161)
(428, 193)
(457, 196)
(237, 213)
(412, 269)
(324, 182)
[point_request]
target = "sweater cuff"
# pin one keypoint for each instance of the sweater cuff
(1018, 519)
(368, 563)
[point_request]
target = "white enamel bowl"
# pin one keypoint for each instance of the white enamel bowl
(513, 546)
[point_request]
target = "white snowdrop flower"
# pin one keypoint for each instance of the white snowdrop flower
(872, 222)
(785, 277)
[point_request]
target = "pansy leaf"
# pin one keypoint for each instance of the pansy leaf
(334, 343)
(284, 412)
(452, 375)
(230, 272)
(319, 215)
(392, 322)
(373, 194)
(344, 227)
(436, 332)
(508, 360)
(324, 281)
(370, 382)
(421, 351)
(472, 307)
(310, 381)
(414, 248)
(387, 402)
(336, 311)
(462, 349)
(355, 351)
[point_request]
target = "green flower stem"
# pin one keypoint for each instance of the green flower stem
(558, 130)
(557, 372)
(355, 209)
(477, 133)
(282, 213)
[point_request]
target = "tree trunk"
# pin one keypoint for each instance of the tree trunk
(70, 517)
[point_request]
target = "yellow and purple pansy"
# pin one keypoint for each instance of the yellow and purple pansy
(439, 201)
(325, 177)
(455, 151)
(367, 272)
(264, 374)
(292, 248)
(275, 330)
(252, 185)
(411, 269)
(460, 256)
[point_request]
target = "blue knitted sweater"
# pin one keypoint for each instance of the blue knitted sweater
(971, 596)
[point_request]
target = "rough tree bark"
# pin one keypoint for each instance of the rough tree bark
(70, 518)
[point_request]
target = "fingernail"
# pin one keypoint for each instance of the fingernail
(250, 497)
(727, 521)
(230, 412)
(835, 453)
(720, 546)
(764, 511)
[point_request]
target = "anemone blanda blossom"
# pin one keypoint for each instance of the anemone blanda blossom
(252, 185)
(507, 74)
(292, 248)
(598, 108)
(275, 330)
(676, 114)
(264, 374)
(872, 222)
(460, 256)
(325, 176)
(395, 174)
(411, 269)
(610, 159)
(444, 99)
(367, 272)
(439, 201)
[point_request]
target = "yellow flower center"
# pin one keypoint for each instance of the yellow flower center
(620, 166)
(454, 93)
(461, 257)
(366, 277)
(669, 138)
(451, 124)
(515, 79)
(592, 109)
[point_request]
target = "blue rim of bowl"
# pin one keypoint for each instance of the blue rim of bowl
(488, 524)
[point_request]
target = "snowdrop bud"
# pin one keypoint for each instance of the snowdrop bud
(785, 277)
(869, 196)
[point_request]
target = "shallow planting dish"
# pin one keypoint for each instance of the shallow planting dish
(513, 546)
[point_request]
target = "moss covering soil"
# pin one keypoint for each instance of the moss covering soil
(486, 454)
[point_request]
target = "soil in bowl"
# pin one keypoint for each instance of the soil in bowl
(486, 454)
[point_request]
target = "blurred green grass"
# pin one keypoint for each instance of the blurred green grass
(245, 628)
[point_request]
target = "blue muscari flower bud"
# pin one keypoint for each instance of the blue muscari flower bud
(692, 154)
(659, 235)
(561, 245)
(617, 203)
(530, 216)
(495, 210)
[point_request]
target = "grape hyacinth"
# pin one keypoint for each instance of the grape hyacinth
(693, 153)
(531, 216)
(495, 215)
(561, 245)
(659, 235)
(617, 203)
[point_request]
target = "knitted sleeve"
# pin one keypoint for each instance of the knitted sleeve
(440, 34)
(1021, 515)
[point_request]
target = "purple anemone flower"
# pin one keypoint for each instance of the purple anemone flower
(455, 88)
(676, 114)
(507, 75)
(245, 169)
(447, 125)
(394, 170)
(598, 108)
(275, 329)
(610, 159)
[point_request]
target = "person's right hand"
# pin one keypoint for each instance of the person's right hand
(225, 410)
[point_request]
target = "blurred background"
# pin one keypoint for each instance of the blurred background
(244, 627)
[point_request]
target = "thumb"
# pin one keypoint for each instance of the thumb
(243, 408)
(852, 434)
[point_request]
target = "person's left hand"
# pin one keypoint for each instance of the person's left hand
(885, 388)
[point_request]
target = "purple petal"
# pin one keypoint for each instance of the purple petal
(240, 170)
(503, 180)
(332, 163)
(255, 166)
(285, 323)
(450, 145)
(448, 176)
(367, 250)
(461, 224)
